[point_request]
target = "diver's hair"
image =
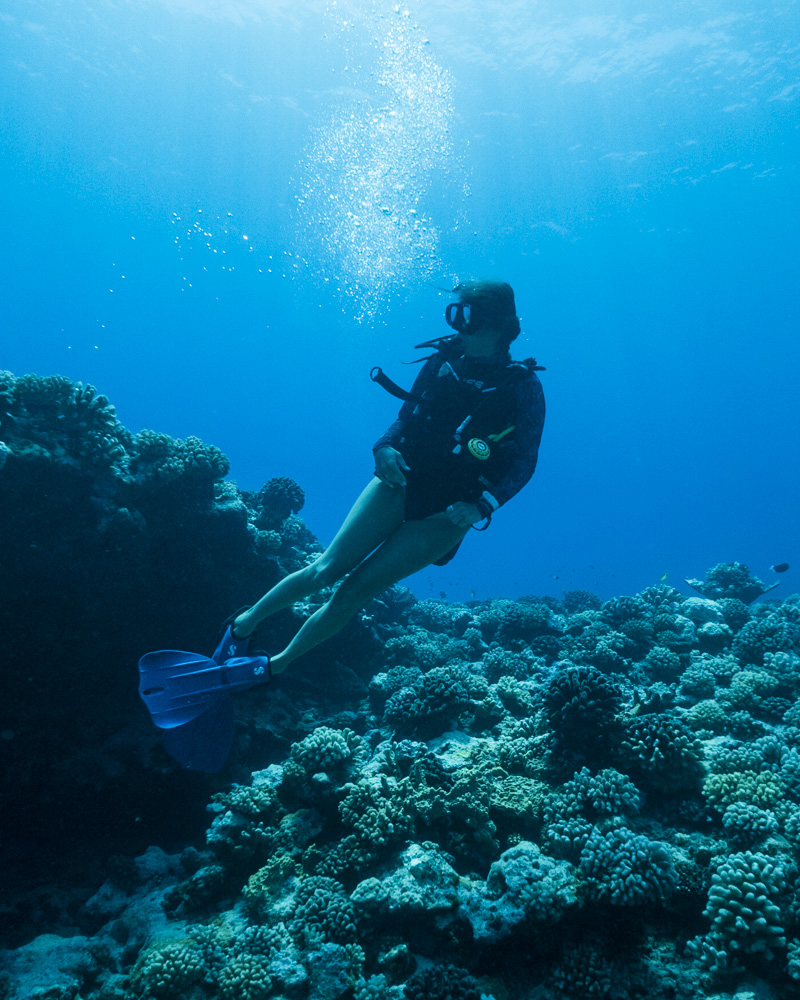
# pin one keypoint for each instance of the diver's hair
(493, 303)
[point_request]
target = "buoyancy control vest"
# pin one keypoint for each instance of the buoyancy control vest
(461, 428)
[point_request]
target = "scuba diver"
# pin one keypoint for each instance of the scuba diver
(466, 440)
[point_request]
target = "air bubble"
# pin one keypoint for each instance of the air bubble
(363, 179)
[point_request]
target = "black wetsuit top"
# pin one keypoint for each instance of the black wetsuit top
(471, 432)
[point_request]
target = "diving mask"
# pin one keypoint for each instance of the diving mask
(457, 316)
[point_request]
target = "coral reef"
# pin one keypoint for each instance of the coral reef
(524, 800)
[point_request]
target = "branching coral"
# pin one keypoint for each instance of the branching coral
(664, 664)
(580, 705)
(764, 635)
(584, 973)
(168, 969)
(499, 662)
(245, 977)
(439, 616)
(418, 647)
(53, 419)
(379, 813)
(158, 461)
(461, 850)
(593, 797)
(744, 914)
(746, 825)
(627, 869)
(322, 912)
(661, 751)
(432, 705)
(731, 580)
(442, 982)
(277, 499)
(324, 760)
(580, 600)
(762, 789)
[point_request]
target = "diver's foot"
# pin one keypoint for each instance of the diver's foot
(233, 643)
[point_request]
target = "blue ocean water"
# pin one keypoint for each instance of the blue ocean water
(223, 214)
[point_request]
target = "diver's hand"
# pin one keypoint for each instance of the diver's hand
(390, 466)
(464, 514)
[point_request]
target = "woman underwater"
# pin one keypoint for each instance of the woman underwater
(466, 440)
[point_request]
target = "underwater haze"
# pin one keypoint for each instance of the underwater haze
(223, 214)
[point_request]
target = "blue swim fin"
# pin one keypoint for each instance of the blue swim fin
(177, 686)
(189, 696)
(204, 743)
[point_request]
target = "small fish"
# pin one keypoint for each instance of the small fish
(442, 594)
(664, 578)
(780, 568)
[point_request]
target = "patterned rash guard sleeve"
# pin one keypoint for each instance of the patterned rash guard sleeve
(425, 380)
(530, 423)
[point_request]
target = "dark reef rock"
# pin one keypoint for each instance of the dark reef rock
(113, 544)
(534, 800)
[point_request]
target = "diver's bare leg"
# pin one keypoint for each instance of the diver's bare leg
(412, 547)
(374, 516)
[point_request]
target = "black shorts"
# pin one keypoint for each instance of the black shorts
(424, 498)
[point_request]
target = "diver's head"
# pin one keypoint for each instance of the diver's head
(482, 306)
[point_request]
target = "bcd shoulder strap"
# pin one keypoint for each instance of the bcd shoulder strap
(378, 376)
(382, 379)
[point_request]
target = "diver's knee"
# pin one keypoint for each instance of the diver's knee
(353, 592)
(323, 573)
